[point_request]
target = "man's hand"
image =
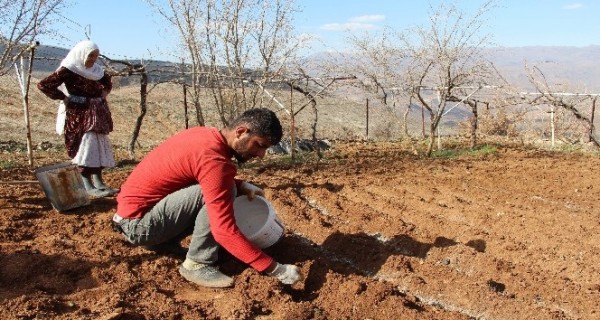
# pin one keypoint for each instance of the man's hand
(286, 273)
(251, 190)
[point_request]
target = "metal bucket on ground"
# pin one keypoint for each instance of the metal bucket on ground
(63, 186)
(258, 221)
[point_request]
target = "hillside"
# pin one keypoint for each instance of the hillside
(165, 115)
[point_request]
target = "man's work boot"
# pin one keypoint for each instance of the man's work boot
(206, 275)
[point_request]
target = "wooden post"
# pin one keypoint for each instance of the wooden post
(26, 105)
(552, 124)
(435, 135)
(185, 108)
(367, 121)
(24, 83)
(292, 125)
(591, 132)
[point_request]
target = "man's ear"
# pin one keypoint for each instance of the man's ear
(240, 130)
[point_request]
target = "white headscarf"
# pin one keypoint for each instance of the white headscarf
(75, 61)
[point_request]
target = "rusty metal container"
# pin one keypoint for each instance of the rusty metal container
(63, 186)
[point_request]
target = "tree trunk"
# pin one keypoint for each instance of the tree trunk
(198, 106)
(423, 121)
(143, 109)
(405, 121)
(432, 137)
(474, 122)
(314, 128)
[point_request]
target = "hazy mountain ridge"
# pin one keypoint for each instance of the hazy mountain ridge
(578, 67)
(575, 67)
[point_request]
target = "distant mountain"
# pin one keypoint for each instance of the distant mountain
(575, 67)
(578, 67)
(47, 59)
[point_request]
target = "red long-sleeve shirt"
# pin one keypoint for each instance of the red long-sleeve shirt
(197, 155)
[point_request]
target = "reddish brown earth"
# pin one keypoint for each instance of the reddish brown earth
(378, 233)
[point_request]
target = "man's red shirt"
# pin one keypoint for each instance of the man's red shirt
(197, 155)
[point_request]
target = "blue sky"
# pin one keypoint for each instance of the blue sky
(130, 29)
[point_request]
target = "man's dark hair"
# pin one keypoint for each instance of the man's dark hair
(262, 122)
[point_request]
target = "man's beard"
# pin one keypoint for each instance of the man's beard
(239, 157)
(241, 146)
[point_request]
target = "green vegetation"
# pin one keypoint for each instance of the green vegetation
(575, 149)
(7, 164)
(479, 151)
(284, 160)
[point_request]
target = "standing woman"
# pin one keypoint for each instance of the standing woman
(88, 119)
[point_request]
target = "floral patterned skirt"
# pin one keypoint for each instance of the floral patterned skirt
(94, 116)
(94, 151)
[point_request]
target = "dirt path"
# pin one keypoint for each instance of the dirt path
(378, 233)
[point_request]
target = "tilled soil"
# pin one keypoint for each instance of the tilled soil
(378, 233)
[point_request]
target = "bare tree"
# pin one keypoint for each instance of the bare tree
(130, 69)
(568, 104)
(302, 83)
(378, 64)
(434, 64)
(229, 42)
(22, 22)
(446, 56)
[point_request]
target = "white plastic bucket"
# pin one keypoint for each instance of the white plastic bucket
(258, 221)
(63, 186)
